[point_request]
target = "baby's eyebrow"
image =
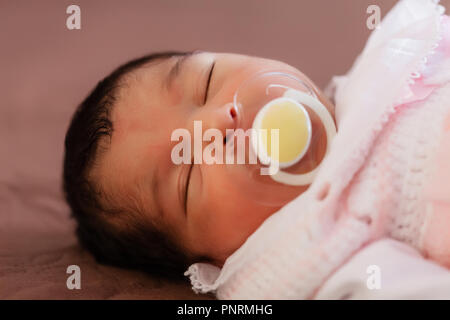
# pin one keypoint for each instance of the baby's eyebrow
(176, 68)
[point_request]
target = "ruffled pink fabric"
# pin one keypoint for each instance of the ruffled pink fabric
(405, 182)
(436, 239)
(425, 83)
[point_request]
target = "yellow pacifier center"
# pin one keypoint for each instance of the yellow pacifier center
(294, 125)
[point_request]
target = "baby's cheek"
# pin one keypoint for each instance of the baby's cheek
(227, 221)
(225, 214)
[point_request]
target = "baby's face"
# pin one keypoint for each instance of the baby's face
(199, 205)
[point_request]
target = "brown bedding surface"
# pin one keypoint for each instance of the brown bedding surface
(38, 244)
(46, 70)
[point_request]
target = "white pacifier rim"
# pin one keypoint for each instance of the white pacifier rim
(258, 143)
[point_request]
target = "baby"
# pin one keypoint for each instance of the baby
(136, 208)
(133, 205)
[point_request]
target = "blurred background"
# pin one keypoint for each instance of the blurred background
(46, 70)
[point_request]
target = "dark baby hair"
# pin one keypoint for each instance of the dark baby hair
(141, 247)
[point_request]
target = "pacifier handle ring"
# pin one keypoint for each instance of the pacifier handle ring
(330, 128)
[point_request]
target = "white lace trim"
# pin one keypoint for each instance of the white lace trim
(203, 277)
(422, 64)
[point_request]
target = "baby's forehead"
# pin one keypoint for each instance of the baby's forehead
(139, 88)
(147, 76)
(119, 168)
(120, 181)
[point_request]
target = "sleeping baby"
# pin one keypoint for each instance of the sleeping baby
(242, 171)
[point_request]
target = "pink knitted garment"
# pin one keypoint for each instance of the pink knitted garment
(394, 184)
(390, 110)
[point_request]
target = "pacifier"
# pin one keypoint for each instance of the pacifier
(288, 116)
(275, 112)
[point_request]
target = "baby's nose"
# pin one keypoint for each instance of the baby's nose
(222, 118)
